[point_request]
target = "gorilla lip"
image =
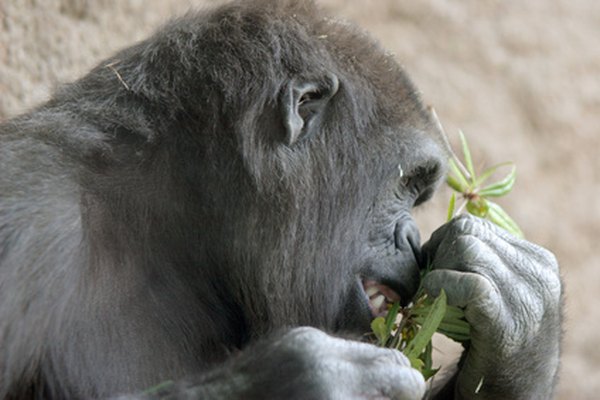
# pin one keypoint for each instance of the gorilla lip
(379, 296)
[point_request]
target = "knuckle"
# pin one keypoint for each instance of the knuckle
(548, 257)
(542, 258)
(467, 242)
(408, 383)
(306, 331)
(466, 249)
(305, 336)
(465, 222)
(392, 356)
(554, 293)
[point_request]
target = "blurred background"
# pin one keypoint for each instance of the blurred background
(521, 79)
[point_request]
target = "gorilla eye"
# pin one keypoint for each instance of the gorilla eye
(424, 180)
(424, 196)
(413, 186)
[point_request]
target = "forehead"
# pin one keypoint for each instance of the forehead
(375, 70)
(310, 42)
(299, 36)
(258, 44)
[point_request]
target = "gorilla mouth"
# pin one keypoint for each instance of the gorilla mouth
(392, 273)
(379, 297)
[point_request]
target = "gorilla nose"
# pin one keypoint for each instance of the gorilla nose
(408, 244)
(398, 269)
(408, 240)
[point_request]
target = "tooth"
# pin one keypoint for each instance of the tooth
(389, 294)
(377, 302)
(371, 291)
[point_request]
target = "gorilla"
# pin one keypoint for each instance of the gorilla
(204, 213)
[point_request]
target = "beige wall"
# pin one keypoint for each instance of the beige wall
(521, 79)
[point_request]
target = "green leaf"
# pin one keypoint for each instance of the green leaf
(457, 337)
(478, 207)
(457, 180)
(427, 357)
(451, 207)
(428, 328)
(428, 373)
(489, 172)
(455, 184)
(460, 327)
(454, 312)
(428, 370)
(416, 363)
(502, 187)
(390, 318)
(379, 328)
(498, 216)
(467, 155)
(451, 328)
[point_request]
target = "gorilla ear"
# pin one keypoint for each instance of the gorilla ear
(303, 105)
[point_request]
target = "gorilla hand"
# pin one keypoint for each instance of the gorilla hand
(305, 363)
(511, 292)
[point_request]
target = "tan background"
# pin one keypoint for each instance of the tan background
(521, 78)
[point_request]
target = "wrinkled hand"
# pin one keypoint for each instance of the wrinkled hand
(345, 369)
(511, 292)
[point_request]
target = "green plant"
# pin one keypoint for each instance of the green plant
(476, 191)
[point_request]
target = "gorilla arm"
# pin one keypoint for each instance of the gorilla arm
(512, 295)
(305, 363)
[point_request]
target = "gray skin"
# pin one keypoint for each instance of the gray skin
(203, 206)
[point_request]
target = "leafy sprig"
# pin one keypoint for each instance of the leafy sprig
(476, 191)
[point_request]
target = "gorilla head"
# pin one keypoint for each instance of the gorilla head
(241, 171)
(284, 153)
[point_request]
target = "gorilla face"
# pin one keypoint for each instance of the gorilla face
(326, 154)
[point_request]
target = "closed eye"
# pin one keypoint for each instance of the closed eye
(424, 195)
(423, 181)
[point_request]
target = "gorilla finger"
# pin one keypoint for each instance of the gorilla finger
(538, 255)
(484, 253)
(367, 371)
(468, 253)
(316, 341)
(460, 225)
(507, 244)
(502, 262)
(429, 249)
(472, 291)
(507, 259)
(365, 352)
(391, 356)
(406, 384)
(403, 383)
